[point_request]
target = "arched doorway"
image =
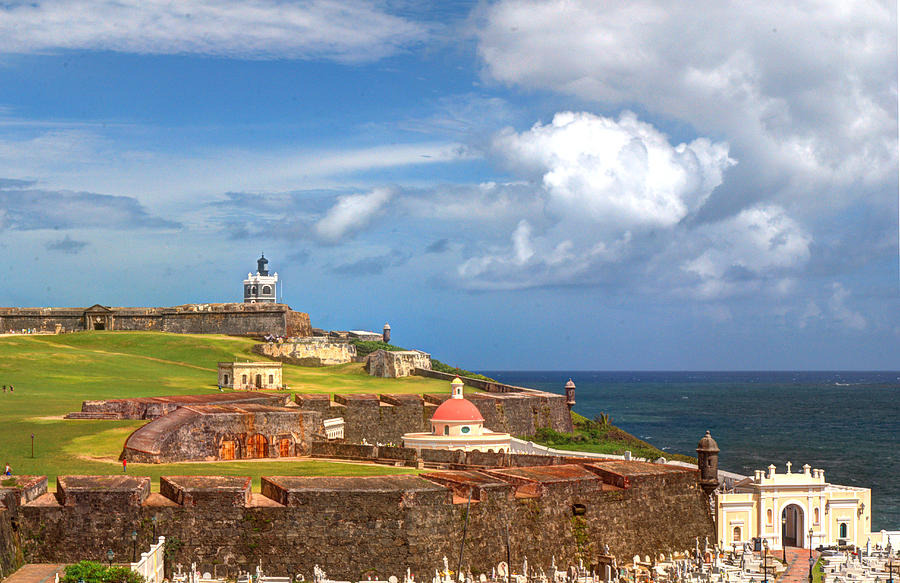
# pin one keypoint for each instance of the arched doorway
(257, 446)
(284, 447)
(792, 526)
(259, 381)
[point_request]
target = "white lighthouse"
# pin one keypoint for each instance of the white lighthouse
(262, 287)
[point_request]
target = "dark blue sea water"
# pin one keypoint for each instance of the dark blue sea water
(847, 423)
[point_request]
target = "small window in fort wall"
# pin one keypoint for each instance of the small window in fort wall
(769, 516)
(465, 429)
(446, 430)
(816, 516)
(243, 379)
(266, 290)
(271, 380)
(736, 535)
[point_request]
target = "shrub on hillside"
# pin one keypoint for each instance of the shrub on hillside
(93, 572)
(460, 372)
(367, 347)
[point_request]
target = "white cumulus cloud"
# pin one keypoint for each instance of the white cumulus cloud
(615, 172)
(806, 93)
(344, 31)
(350, 214)
(758, 243)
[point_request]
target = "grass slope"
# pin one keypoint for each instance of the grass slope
(599, 436)
(54, 374)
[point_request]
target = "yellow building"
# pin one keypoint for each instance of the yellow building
(793, 509)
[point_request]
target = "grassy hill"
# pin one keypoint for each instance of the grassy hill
(52, 375)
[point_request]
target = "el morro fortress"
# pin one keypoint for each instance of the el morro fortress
(552, 506)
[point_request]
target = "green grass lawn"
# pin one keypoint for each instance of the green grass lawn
(52, 375)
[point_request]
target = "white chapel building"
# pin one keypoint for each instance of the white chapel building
(458, 425)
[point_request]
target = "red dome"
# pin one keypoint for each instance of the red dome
(457, 410)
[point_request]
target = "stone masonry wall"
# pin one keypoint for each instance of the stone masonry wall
(394, 364)
(232, 318)
(316, 351)
(384, 418)
(197, 433)
(377, 526)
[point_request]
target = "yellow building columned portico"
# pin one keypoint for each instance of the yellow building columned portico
(793, 509)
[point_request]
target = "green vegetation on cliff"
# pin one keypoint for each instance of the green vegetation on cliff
(599, 435)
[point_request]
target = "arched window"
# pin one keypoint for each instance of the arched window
(843, 530)
(243, 379)
(816, 516)
(253, 290)
(736, 535)
(769, 516)
(266, 290)
(271, 380)
(446, 430)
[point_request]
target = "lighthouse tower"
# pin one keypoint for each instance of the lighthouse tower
(262, 287)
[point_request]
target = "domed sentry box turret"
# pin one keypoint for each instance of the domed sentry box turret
(570, 394)
(708, 462)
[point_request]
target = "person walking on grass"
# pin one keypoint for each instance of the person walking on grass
(124, 465)
(8, 471)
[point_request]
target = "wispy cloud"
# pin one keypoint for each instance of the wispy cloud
(251, 29)
(30, 209)
(351, 213)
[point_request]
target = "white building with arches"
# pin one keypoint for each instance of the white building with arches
(793, 509)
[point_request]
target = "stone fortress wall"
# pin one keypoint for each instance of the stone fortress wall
(230, 318)
(224, 432)
(384, 418)
(376, 526)
(312, 351)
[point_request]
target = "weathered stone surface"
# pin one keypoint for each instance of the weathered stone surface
(231, 318)
(398, 363)
(354, 527)
(206, 490)
(384, 418)
(216, 432)
(314, 351)
(154, 407)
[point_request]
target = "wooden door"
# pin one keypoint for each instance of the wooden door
(284, 448)
(257, 446)
(226, 450)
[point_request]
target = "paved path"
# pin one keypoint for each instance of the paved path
(797, 565)
(36, 573)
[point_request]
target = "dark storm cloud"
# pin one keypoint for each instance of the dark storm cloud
(29, 209)
(66, 245)
(438, 246)
(372, 265)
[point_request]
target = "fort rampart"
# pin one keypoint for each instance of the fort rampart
(355, 527)
(314, 351)
(224, 432)
(231, 318)
(384, 418)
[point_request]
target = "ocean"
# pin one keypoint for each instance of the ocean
(847, 423)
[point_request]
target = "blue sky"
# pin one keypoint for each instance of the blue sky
(511, 184)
